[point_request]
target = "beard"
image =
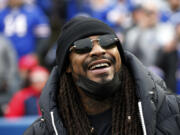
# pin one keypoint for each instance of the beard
(100, 90)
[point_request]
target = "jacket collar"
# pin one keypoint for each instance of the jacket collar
(144, 86)
(48, 104)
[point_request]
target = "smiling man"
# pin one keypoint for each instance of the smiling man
(98, 88)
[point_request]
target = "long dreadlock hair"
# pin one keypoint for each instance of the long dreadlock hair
(125, 118)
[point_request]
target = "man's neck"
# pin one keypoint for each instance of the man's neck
(93, 106)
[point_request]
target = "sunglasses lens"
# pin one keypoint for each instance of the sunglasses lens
(83, 45)
(107, 41)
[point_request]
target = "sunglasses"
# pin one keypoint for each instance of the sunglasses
(85, 45)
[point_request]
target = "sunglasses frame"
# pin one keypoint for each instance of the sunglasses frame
(92, 40)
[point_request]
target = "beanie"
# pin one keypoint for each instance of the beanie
(27, 62)
(78, 28)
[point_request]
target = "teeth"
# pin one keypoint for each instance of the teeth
(99, 65)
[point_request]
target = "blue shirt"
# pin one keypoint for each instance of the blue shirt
(22, 26)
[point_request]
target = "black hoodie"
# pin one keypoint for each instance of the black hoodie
(158, 110)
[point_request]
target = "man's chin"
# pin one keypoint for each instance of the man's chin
(101, 79)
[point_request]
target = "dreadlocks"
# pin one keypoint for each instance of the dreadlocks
(125, 118)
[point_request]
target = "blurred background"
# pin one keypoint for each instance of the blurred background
(29, 29)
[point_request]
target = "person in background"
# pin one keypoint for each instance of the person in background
(25, 64)
(97, 88)
(45, 5)
(170, 12)
(147, 42)
(26, 26)
(25, 101)
(3, 4)
(9, 76)
(177, 46)
(136, 17)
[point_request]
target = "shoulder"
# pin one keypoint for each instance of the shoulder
(32, 9)
(163, 97)
(3, 13)
(4, 10)
(167, 108)
(23, 92)
(168, 115)
(22, 95)
(37, 128)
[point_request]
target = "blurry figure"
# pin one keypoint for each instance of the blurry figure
(172, 11)
(136, 16)
(174, 5)
(135, 19)
(26, 26)
(99, 9)
(119, 15)
(25, 65)
(45, 5)
(151, 41)
(3, 4)
(167, 58)
(8, 72)
(178, 49)
(94, 8)
(142, 39)
(25, 101)
(115, 13)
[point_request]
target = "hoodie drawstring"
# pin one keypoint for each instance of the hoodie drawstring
(54, 126)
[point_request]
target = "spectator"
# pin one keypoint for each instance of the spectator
(8, 71)
(119, 15)
(26, 26)
(171, 12)
(146, 41)
(144, 36)
(136, 16)
(97, 9)
(178, 49)
(25, 101)
(2, 4)
(25, 64)
(45, 5)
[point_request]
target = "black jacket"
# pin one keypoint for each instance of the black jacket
(159, 111)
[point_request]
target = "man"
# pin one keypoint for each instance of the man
(97, 88)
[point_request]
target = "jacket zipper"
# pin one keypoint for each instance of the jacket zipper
(142, 118)
(52, 120)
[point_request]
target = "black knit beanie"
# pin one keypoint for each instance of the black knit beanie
(78, 28)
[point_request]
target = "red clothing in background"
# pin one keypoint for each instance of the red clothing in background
(24, 102)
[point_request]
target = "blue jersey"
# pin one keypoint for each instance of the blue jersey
(22, 26)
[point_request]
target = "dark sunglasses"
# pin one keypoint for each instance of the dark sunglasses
(85, 45)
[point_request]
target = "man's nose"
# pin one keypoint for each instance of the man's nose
(97, 50)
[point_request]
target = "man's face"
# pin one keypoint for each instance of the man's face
(174, 4)
(98, 65)
(15, 3)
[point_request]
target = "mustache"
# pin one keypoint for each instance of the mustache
(86, 63)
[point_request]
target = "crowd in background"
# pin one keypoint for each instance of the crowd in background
(29, 29)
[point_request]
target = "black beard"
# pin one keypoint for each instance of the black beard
(100, 91)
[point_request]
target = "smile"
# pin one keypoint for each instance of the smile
(99, 64)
